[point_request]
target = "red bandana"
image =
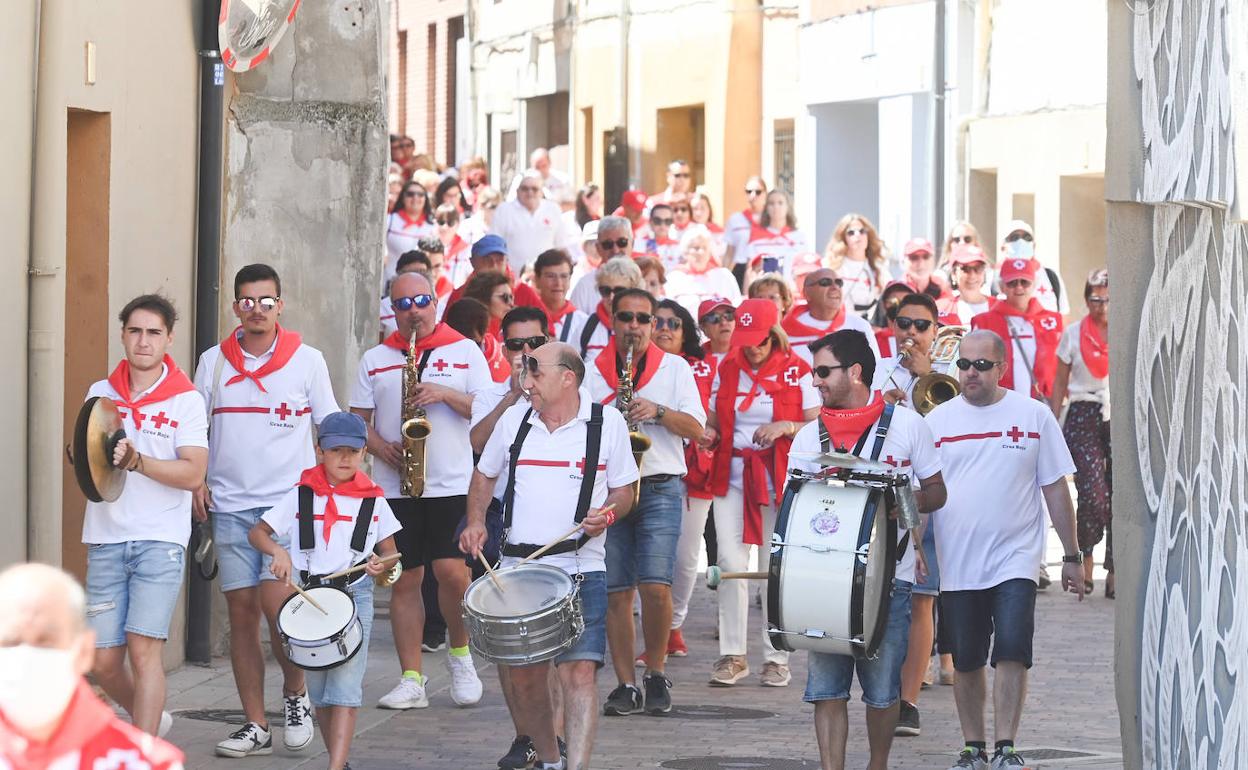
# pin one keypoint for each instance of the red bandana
(287, 344)
(846, 426)
(441, 335)
(359, 486)
(554, 317)
(795, 328)
(606, 363)
(1095, 349)
(175, 382)
(604, 316)
(408, 221)
(766, 378)
(500, 369)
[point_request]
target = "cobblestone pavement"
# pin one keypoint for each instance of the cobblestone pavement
(1070, 708)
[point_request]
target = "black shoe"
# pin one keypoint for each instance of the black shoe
(434, 642)
(623, 700)
(520, 755)
(563, 747)
(907, 720)
(658, 694)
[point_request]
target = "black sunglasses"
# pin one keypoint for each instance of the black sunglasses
(1017, 236)
(516, 344)
(628, 316)
(904, 323)
(619, 243)
(824, 283)
(415, 194)
(980, 364)
(420, 301)
(661, 221)
(723, 316)
(532, 364)
(443, 221)
(681, 174)
(852, 231)
(248, 304)
(610, 291)
(968, 239)
(666, 322)
(1093, 299)
(749, 191)
(822, 372)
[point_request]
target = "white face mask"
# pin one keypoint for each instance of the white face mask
(1020, 249)
(36, 684)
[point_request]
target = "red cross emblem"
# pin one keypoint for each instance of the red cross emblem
(701, 369)
(790, 376)
(138, 416)
(282, 412)
(160, 420)
(1043, 289)
(439, 365)
(1015, 434)
(1048, 323)
(746, 319)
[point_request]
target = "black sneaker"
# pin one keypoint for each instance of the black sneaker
(907, 720)
(434, 642)
(623, 700)
(658, 694)
(520, 755)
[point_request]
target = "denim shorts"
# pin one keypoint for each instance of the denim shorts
(132, 588)
(1004, 614)
(593, 643)
(241, 565)
(641, 547)
(931, 585)
(829, 676)
(344, 685)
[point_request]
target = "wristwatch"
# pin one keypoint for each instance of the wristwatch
(658, 416)
(1073, 558)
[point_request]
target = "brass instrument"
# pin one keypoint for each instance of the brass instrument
(414, 431)
(639, 441)
(390, 576)
(934, 388)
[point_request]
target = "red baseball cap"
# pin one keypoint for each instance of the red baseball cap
(917, 246)
(711, 303)
(634, 200)
(967, 254)
(1013, 269)
(755, 317)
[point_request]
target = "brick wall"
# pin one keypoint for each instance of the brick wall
(420, 81)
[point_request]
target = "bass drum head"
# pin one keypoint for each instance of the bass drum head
(526, 590)
(877, 574)
(302, 622)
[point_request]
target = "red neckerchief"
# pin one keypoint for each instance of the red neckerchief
(699, 461)
(443, 287)
(441, 335)
(750, 216)
(846, 426)
(500, 369)
(175, 382)
(408, 221)
(1046, 327)
(604, 316)
(711, 264)
(553, 317)
(359, 486)
(796, 328)
(607, 363)
(287, 344)
(714, 228)
(765, 379)
(1095, 348)
(759, 233)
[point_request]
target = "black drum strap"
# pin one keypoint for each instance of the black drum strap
(588, 333)
(307, 539)
(509, 494)
(567, 329)
(359, 536)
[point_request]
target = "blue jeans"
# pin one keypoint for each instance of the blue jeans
(1004, 615)
(829, 676)
(641, 547)
(930, 586)
(132, 588)
(344, 685)
(241, 565)
(593, 643)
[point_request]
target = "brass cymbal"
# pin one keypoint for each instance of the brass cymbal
(841, 460)
(96, 434)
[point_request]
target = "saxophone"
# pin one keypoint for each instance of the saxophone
(414, 431)
(639, 441)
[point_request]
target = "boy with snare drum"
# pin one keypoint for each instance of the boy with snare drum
(334, 519)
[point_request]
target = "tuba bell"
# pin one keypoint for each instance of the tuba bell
(935, 388)
(414, 430)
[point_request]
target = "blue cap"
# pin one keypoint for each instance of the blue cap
(342, 429)
(489, 244)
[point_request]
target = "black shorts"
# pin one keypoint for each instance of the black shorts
(429, 528)
(1004, 615)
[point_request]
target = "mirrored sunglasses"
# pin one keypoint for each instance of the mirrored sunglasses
(419, 301)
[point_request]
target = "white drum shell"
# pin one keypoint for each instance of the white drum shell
(535, 617)
(316, 640)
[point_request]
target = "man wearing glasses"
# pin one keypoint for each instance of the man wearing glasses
(1002, 450)
(659, 242)
(1031, 332)
(535, 450)
(264, 390)
(679, 183)
(530, 224)
(667, 409)
(738, 227)
(615, 275)
(843, 368)
(552, 274)
(452, 371)
(822, 313)
(613, 237)
(914, 328)
(1020, 243)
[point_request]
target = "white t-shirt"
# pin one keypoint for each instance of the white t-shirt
(584, 292)
(782, 246)
(968, 310)
(598, 340)
(527, 233)
(1082, 386)
(1024, 349)
(689, 289)
(889, 375)
(908, 446)
(671, 386)
(448, 453)
(572, 324)
(861, 288)
(548, 483)
(737, 234)
(758, 415)
(403, 236)
(147, 509)
(800, 342)
(337, 555)
(262, 440)
(996, 459)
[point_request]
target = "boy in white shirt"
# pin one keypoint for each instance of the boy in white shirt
(337, 492)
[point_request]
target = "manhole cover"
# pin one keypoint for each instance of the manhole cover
(739, 763)
(1030, 754)
(718, 712)
(228, 716)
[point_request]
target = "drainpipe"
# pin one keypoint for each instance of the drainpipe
(938, 127)
(207, 278)
(22, 497)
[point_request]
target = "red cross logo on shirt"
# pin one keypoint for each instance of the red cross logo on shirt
(282, 412)
(701, 369)
(439, 365)
(1042, 289)
(790, 376)
(139, 417)
(1015, 434)
(1048, 323)
(161, 420)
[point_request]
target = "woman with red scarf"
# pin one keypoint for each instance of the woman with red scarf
(1030, 332)
(410, 220)
(1083, 379)
(761, 396)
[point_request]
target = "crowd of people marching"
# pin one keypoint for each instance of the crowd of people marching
(745, 350)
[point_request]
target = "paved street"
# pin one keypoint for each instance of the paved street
(1070, 709)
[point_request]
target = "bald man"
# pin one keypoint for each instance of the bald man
(49, 717)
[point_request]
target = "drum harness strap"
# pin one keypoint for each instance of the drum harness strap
(307, 538)
(593, 439)
(881, 431)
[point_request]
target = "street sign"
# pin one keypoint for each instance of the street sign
(249, 29)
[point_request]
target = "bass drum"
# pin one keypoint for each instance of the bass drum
(833, 556)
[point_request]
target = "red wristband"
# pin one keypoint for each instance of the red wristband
(610, 517)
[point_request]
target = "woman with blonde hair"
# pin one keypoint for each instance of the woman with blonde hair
(772, 286)
(856, 253)
(776, 240)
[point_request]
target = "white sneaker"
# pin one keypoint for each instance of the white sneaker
(465, 684)
(299, 731)
(407, 694)
(250, 740)
(166, 724)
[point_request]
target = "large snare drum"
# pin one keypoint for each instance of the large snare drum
(535, 617)
(316, 640)
(833, 557)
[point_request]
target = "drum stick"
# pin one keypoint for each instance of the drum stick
(358, 567)
(559, 539)
(493, 575)
(309, 599)
(743, 576)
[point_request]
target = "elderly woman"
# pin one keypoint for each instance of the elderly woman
(654, 275)
(856, 253)
(700, 276)
(612, 277)
(773, 287)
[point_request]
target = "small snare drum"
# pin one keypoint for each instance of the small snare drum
(316, 640)
(535, 617)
